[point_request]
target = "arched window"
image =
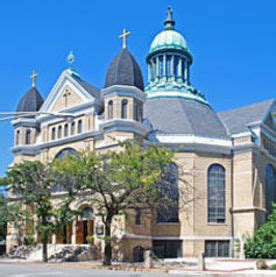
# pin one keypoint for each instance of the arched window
(110, 109)
(124, 108)
(73, 128)
(17, 137)
(169, 195)
(79, 126)
(65, 152)
(216, 194)
(28, 136)
(66, 130)
(270, 187)
(53, 134)
(59, 131)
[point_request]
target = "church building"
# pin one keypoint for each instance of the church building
(227, 160)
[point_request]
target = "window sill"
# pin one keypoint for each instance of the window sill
(167, 223)
(217, 224)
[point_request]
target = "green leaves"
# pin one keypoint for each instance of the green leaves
(263, 243)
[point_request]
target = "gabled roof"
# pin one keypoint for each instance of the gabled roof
(95, 92)
(237, 120)
(181, 116)
(30, 102)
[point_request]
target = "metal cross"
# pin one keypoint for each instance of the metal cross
(33, 77)
(124, 36)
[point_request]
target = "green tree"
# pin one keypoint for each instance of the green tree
(31, 184)
(119, 181)
(263, 243)
(3, 217)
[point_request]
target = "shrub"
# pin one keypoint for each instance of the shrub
(29, 240)
(263, 244)
(273, 267)
(261, 264)
(90, 239)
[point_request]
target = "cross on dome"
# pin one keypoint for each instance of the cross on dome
(124, 36)
(33, 77)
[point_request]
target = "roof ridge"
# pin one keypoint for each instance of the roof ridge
(271, 100)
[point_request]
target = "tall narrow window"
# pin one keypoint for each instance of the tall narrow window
(17, 137)
(110, 109)
(124, 108)
(161, 66)
(73, 128)
(53, 135)
(79, 126)
(28, 136)
(138, 217)
(270, 185)
(168, 65)
(66, 130)
(176, 66)
(216, 194)
(169, 195)
(59, 131)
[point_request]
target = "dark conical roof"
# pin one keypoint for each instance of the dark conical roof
(31, 101)
(124, 70)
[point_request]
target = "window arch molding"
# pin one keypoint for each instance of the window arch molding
(216, 193)
(65, 152)
(124, 108)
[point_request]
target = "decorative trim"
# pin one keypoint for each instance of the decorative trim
(248, 209)
(192, 237)
(35, 149)
(175, 138)
(175, 94)
(64, 79)
(120, 90)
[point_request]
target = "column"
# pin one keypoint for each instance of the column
(157, 68)
(188, 74)
(172, 68)
(74, 231)
(54, 239)
(164, 66)
(149, 71)
(179, 70)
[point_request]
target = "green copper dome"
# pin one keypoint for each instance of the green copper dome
(168, 39)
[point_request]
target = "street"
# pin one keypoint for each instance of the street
(53, 270)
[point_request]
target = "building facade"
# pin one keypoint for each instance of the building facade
(226, 162)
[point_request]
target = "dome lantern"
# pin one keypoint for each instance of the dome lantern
(169, 62)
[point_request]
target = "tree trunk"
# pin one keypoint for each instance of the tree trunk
(44, 240)
(45, 251)
(107, 247)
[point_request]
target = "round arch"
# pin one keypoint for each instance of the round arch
(62, 154)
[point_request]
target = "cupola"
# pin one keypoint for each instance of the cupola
(169, 62)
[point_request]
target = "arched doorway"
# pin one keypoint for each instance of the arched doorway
(138, 254)
(85, 226)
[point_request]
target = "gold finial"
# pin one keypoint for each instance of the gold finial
(70, 58)
(124, 36)
(33, 77)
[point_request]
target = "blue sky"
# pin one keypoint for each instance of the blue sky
(233, 44)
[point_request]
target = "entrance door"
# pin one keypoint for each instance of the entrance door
(84, 228)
